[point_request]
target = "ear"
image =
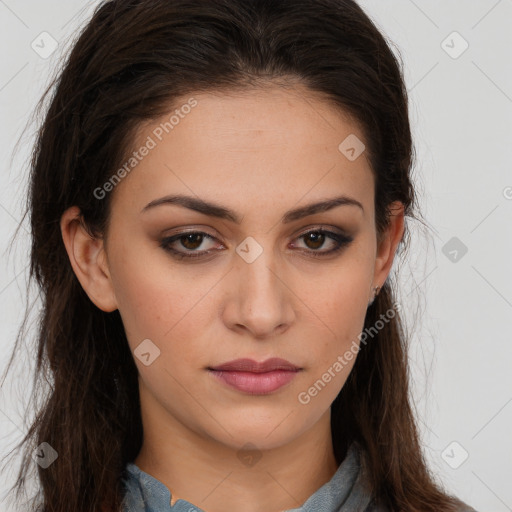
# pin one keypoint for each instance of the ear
(88, 259)
(387, 244)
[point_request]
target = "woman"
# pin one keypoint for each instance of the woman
(218, 193)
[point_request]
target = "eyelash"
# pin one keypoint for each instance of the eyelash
(341, 240)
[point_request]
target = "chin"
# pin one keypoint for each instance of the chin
(264, 434)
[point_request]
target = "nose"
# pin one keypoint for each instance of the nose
(261, 300)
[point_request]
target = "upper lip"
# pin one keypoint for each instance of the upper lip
(249, 365)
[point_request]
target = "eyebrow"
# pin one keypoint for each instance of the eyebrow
(215, 210)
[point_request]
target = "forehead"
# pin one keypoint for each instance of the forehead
(270, 142)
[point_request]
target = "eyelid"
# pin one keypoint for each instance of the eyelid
(301, 232)
(337, 235)
(192, 229)
(170, 239)
(322, 227)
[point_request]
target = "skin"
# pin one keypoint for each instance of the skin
(259, 152)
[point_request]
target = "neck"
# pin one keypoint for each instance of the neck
(217, 477)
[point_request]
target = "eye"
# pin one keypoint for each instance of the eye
(316, 239)
(191, 241)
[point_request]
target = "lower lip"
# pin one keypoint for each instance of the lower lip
(255, 383)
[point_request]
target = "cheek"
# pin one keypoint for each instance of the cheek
(340, 303)
(334, 353)
(164, 305)
(341, 300)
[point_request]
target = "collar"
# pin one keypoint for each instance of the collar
(346, 491)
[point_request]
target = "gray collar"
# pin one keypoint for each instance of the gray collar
(346, 491)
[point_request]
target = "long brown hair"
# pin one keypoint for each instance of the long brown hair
(128, 65)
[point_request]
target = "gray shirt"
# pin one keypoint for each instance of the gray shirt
(346, 491)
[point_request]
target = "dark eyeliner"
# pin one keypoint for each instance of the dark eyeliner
(166, 245)
(341, 240)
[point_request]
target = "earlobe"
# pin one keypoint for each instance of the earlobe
(388, 243)
(88, 259)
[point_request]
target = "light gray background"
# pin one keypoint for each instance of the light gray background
(461, 111)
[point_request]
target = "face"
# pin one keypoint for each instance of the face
(246, 279)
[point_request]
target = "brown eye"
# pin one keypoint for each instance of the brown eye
(185, 245)
(189, 241)
(314, 240)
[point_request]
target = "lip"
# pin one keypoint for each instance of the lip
(250, 365)
(255, 378)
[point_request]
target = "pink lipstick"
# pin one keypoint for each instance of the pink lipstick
(255, 378)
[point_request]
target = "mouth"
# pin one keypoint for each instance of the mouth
(250, 365)
(249, 376)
